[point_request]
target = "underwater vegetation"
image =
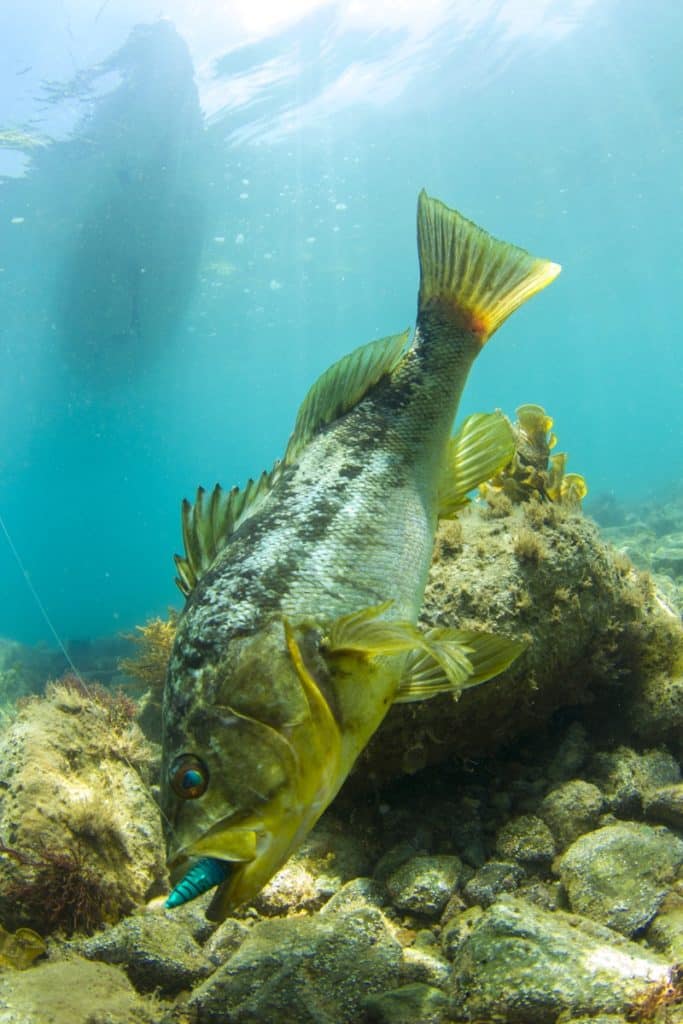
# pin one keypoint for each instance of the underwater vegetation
(532, 469)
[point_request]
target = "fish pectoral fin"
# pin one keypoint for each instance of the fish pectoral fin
(342, 386)
(366, 632)
(327, 730)
(482, 446)
(232, 844)
(469, 275)
(454, 660)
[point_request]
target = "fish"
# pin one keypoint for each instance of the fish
(303, 589)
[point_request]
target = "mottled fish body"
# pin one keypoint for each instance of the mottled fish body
(303, 590)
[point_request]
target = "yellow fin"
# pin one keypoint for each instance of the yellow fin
(482, 279)
(490, 654)
(367, 633)
(208, 525)
(342, 386)
(482, 446)
(327, 729)
(473, 657)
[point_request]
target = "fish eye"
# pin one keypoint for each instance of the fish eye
(189, 776)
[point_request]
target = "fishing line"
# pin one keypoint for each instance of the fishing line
(41, 606)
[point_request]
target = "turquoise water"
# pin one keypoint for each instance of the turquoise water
(216, 207)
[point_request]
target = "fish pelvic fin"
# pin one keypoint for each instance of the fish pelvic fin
(471, 275)
(454, 660)
(482, 446)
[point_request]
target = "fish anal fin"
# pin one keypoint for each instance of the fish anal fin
(479, 278)
(482, 446)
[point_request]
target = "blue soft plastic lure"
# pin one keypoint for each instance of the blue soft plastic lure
(202, 876)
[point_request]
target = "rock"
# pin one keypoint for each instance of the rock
(602, 1018)
(527, 839)
(225, 941)
(78, 811)
(490, 880)
(587, 614)
(457, 929)
(625, 777)
(424, 966)
(570, 810)
(522, 964)
(302, 970)
(407, 1005)
(620, 874)
(668, 556)
(423, 885)
(394, 857)
(73, 991)
(655, 713)
(665, 933)
(155, 951)
(357, 894)
(571, 753)
(665, 805)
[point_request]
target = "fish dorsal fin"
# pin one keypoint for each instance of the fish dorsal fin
(454, 660)
(342, 386)
(208, 524)
(482, 446)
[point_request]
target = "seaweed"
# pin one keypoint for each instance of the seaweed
(154, 641)
(532, 470)
(61, 890)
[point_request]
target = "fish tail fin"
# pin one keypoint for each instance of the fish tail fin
(470, 277)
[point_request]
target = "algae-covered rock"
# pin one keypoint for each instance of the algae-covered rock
(426, 966)
(423, 885)
(626, 777)
(73, 991)
(539, 572)
(665, 933)
(522, 964)
(156, 952)
(526, 839)
(571, 809)
(408, 1005)
(81, 830)
(620, 874)
(492, 879)
(665, 805)
(302, 970)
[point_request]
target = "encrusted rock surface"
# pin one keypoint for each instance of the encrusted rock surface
(545, 574)
(522, 964)
(157, 953)
(73, 991)
(77, 814)
(310, 970)
(620, 874)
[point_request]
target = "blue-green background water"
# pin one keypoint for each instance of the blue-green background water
(227, 205)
